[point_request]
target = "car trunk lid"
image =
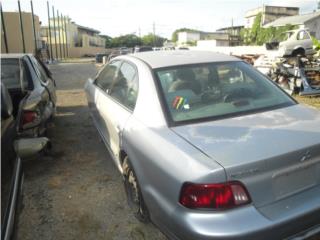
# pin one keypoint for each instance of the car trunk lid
(275, 154)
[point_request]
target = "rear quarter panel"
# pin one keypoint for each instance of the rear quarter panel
(163, 162)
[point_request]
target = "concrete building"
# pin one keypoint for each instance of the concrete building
(80, 40)
(309, 21)
(187, 37)
(13, 32)
(220, 38)
(233, 34)
(269, 14)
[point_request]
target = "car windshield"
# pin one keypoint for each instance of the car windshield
(217, 90)
(10, 73)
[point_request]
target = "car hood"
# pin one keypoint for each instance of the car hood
(261, 146)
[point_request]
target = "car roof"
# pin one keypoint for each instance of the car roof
(14, 55)
(161, 59)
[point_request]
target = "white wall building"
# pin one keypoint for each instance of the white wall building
(269, 14)
(309, 21)
(185, 37)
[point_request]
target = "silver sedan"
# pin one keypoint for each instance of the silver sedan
(209, 147)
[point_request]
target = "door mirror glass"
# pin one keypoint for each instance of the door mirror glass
(27, 147)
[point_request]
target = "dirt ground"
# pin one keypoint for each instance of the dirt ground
(75, 192)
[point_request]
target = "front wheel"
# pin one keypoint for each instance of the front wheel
(134, 196)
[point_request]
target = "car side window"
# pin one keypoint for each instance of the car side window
(39, 70)
(125, 86)
(107, 75)
(303, 35)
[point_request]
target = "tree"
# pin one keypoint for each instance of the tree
(174, 37)
(128, 40)
(153, 40)
(108, 41)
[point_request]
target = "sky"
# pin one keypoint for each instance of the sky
(119, 17)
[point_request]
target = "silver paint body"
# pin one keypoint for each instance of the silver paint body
(276, 154)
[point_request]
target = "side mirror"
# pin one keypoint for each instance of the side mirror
(27, 147)
(6, 103)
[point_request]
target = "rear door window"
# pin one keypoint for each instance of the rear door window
(11, 73)
(125, 86)
(303, 35)
(107, 75)
(39, 70)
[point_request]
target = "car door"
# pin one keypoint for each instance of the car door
(11, 167)
(304, 40)
(95, 90)
(117, 103)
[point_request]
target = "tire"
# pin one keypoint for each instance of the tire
(299, 52)
(133, 192)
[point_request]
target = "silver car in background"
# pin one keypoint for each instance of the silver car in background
(209, 147)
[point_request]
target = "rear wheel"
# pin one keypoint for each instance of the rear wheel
(134, 196)
(299, 52)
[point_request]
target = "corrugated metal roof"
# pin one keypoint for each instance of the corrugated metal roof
(88, 29)
(293, 20)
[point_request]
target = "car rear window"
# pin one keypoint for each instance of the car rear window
(217, 90)
(10, 73)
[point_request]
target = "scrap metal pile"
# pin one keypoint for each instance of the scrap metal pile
(296, 75)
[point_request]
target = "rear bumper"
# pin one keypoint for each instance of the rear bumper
(242, 224)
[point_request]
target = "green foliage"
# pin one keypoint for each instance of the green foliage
(128, 40)
(258, 35)
(108, 41)
(316, 43)
(192, 43)
(174, 37)
(131, 40)
(153, 40)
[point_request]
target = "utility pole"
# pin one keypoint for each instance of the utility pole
(4, 30)
(154, 34)
(49, 34)
(63, 37)
(21, 28)
(59, 28)
(55, 32)
(66, 32)
(34, 30)
(139, 32)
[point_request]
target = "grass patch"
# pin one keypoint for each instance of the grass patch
(311, 101)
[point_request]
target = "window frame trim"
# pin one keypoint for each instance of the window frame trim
(172, 123)
(108, 95)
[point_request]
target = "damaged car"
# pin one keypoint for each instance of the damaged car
(208, 147)
(13, 151)
(32, 90)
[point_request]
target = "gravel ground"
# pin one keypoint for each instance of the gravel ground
(75, 191)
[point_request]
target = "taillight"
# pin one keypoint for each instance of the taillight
(214, 196)
(29, 117)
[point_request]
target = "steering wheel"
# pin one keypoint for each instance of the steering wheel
(240, 93)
